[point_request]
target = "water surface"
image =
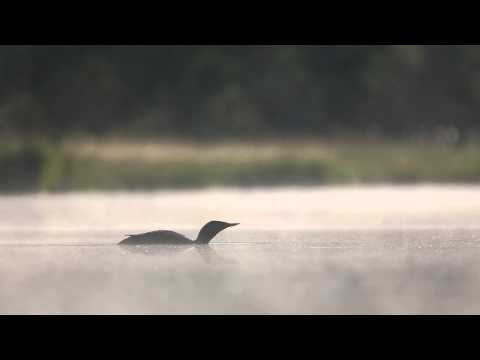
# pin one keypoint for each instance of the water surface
(325, 250)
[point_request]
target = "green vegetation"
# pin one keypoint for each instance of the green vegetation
(211, 92)
(116, 164)
(399, 94)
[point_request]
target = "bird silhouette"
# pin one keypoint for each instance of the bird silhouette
(167, 237)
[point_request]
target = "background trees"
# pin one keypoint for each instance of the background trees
(204, 91)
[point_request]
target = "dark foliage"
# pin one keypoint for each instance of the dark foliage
(205, 91)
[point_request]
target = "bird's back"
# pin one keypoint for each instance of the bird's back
(157, 237)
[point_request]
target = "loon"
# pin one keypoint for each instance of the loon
(167, 237)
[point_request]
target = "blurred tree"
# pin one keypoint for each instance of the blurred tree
(205, 91)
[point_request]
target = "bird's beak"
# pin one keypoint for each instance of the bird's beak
(233, 224)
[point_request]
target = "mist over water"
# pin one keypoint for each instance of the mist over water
(384, 249)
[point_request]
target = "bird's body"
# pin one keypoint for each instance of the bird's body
(167, 237)
(158, 237)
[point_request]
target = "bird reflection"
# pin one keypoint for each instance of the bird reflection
(206, 252)
(210, 256)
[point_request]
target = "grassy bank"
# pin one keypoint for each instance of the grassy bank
(113, 164)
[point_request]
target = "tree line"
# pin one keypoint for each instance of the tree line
(243, 91)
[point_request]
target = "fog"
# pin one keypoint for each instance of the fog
(297, 250)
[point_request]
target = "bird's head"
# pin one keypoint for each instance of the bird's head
(210, 229)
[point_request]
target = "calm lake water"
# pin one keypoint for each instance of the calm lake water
(315, 250)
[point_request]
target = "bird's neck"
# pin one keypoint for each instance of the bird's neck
(204, 236)
(203, 239)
